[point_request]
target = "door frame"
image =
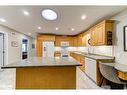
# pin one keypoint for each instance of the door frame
(27, 47)
(5, 47)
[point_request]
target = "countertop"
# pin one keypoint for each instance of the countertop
(94, 56)
(118, 66)
(41, 62)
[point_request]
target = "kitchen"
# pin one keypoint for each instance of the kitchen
(94, 47)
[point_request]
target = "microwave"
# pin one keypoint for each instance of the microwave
(64, 44)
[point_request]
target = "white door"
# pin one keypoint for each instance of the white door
(1, 50)
(48, 49)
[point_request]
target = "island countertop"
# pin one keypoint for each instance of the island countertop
(43, 61)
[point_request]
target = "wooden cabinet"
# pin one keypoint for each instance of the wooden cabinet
(80, 59)
(75, 41)
(72, 41)
(101, 34)
(100, 29)
(84, 39)
(57, 41)
(93, 36)
(80, 40)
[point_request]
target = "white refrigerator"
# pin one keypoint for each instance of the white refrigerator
(48, 49)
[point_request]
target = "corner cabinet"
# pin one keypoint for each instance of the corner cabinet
(102, 33)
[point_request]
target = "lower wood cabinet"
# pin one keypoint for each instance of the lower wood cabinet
(89, 66)
(80, 59)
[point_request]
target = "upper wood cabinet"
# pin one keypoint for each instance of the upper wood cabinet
(84, 39)
(57, 41)
(80, 39)
(72, 40)
(101, 34)
(93, 36)
(75, 41)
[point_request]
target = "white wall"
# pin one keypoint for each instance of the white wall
(14, 54)
(121, 20)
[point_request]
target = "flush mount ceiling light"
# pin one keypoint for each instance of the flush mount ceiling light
(49, 14)
(2, 20)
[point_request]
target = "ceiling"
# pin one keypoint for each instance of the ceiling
(68, 17)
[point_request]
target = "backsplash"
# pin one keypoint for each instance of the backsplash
(101, 50)
(69, 48)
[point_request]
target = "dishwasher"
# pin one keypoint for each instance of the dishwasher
(90, 68)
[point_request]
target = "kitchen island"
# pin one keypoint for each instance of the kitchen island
(45, 73)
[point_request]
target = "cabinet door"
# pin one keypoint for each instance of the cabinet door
(94, 36)
(80, 40)
(101, 34)
(75, 41)
(84, 40)
(57, 41)
(71, 41)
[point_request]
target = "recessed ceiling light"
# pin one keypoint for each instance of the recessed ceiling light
(57, 28)
(2, 20)
(49, 14)
(39, 27)
(83, 17)
(72, 29)
(26, 13)
(29, 33)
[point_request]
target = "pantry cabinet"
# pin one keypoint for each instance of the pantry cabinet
(102, 33)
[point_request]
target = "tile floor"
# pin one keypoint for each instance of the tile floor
(7, 80)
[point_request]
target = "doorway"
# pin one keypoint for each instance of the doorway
(24, 48)
(1, 50)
